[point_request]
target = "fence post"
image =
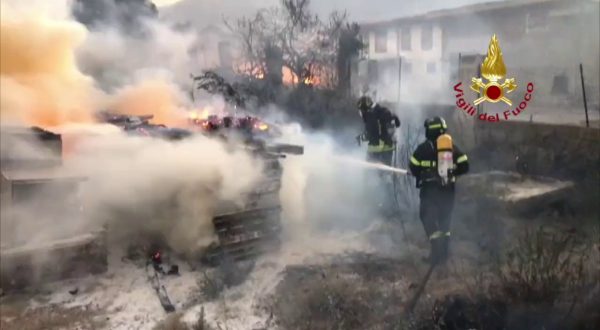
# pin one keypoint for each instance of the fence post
(399, 80)
(587, 118)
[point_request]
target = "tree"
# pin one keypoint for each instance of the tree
(290, 36)
(349, 47)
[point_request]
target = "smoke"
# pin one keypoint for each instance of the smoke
(55, 71)
(156, 97)
(137, 187)
(117, 59)
(155, 186)
(322, 192)
(41, 83)
(206, 12)
(134, 184)
(56, 74)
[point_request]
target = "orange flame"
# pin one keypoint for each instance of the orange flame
(199, 115)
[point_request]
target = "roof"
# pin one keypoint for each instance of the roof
(40, 174)
(470, 9)
(30, 131)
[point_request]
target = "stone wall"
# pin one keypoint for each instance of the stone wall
(564, 152)
(542, 149)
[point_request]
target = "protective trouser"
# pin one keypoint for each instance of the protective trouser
(382, 157)
(384, 182)
(435, 212)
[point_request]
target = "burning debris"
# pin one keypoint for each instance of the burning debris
(141, 126)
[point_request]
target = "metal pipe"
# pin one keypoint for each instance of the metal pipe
(587, 118)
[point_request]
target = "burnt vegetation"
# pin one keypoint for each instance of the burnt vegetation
(296, 60)
(546, 280)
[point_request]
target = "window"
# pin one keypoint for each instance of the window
(536, 22)
(426, 37)
(406, 67)
(431, 67)
(380, 41)
(560, 85)
(405, 40)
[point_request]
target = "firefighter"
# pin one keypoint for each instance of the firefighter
(380, 124)
(435, 164)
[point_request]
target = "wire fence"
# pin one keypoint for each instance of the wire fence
(404, 188)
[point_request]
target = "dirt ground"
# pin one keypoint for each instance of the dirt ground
(358, 290)
(367, 291)
(16, 313)
(336, 295)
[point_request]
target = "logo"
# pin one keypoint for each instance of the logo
(491, 88)
(493, 69)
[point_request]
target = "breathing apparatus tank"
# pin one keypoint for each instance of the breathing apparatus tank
(445, 163)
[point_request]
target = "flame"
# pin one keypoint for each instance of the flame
(199, 115)
(247, 68)
(312, 81)
(493, 67)
(288, 77)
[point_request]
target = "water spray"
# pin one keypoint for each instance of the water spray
(367, 164)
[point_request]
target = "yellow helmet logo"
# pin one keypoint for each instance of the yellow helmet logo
(493, 70)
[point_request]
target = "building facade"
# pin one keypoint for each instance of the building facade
(416, 59)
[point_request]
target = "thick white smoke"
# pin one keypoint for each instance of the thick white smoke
(325, 192)
(51, 70)
(138, 185)
(116, 59)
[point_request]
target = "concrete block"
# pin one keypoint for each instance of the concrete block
(32, 265)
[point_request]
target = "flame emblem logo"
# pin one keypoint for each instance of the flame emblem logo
(493, 70)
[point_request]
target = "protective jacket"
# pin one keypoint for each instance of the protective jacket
(423, 164)
(379, 126)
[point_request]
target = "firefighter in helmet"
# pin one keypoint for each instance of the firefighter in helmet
(435, 164)
(380, 124)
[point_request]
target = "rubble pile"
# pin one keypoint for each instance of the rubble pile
(32, 185)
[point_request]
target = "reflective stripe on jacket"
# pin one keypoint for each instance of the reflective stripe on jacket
(381, 147)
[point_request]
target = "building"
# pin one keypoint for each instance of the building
(416, 58)
(215, 48)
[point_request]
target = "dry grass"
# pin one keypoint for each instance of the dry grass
(359, 294)
(227, 274)
(17, 317)
(543, 267)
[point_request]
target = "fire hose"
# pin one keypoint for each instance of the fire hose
(412, 303)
